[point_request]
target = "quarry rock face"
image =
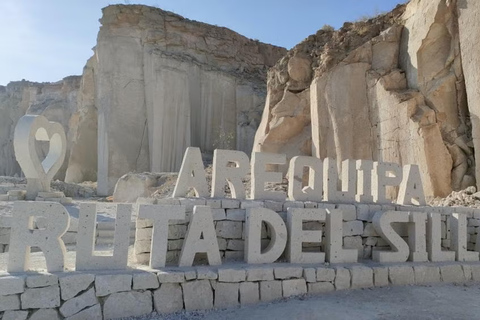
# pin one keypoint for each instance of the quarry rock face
(56, 101)
(156, 84)
(392, 88)
(164, 83)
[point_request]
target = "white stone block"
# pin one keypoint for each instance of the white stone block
(426, 274)
(298, 236)
(342, 278)
(190, 275)
(92, 313)
(288, 272)
(169, 276)
(168, 298)
(349, 211)
(382, 221)
(192, 163)
(48, 297)
(229, 229)
(294, 287)
(417, 237)
(369, 231)
(145, 280)
(325, 274)
(352, 228)
(385, 174)
(452, 273)
(206, 273)
(197, 295)
(253, 230)
(260, 176)
(85, 258)
(214, 203)
(72, 284)
(52, 314)
(230, 203)
(15, 315)
(127, 304)
(401, 275)
(259, 273)
(231, 275)
(111, 283)
(249, 293)
(161, 215)
(274, 205)
(310, 275)
(39, 173)
(11, 285)
(364, 181)
(48, 239)
(459, 238)
(236, 214)
(434, 241)
(330, 180)
(219, 214)
(10, 302)
(411, 188)
(313, 191)
(77, 304)
(226, 295)
(320, 287)
(380, 276)
(362, 277)
(334, 240)
(200, 238)
(270, 290)
(41, 280)
(222, 173)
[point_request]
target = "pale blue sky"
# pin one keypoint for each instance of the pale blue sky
(46, 40)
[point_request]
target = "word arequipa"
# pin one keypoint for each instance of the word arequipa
(286, 236)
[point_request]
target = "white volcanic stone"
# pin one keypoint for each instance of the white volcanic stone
(168, 298)
(231, 275)
(48, 297)
(92, 313)
(226, 295)
(401, 275)
(426, 274)
(288, 272)
(15, 315)
(42, 280)
(294, 287)
(51, 314)
(127, 304)
(197, 295)
(270, 290)
(147, 280)
(10, 302)
(362, 277)
(249, 293)
(82, 301)
(320, 287)
(169, 276)
(71, 285)
(11, 285)
(108, 284)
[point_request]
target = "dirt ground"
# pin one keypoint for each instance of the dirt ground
(450, 302)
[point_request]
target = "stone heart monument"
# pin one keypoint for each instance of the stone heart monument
(39, 174)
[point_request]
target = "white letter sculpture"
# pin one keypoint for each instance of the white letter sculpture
(39, 173)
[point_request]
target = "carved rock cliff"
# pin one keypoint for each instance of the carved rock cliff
(391, 88)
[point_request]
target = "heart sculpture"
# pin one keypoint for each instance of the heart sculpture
(39, 174)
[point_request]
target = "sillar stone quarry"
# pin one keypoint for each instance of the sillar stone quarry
(241, 172)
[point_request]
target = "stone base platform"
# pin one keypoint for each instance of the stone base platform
(111, 295)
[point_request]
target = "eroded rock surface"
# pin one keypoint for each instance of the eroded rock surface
(391, 89)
